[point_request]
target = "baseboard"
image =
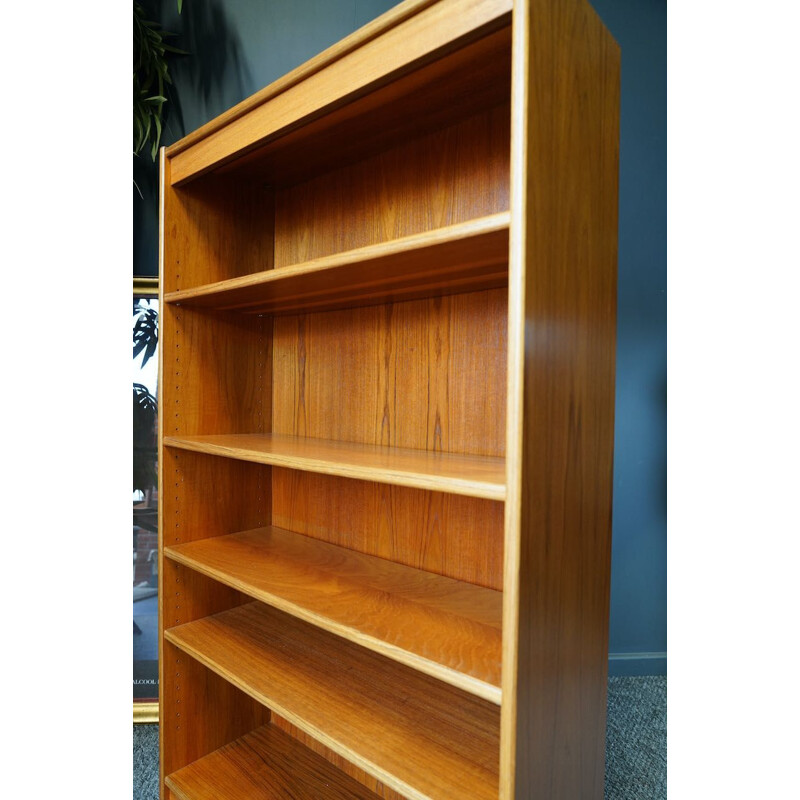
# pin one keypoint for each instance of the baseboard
(627, 664)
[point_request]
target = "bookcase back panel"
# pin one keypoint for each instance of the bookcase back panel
(215, 373)
(424, 374)
(218, 228)
(460, 537)
(451, 175)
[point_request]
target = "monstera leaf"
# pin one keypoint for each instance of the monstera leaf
(145, 405)
(145, 331)
(145, 412)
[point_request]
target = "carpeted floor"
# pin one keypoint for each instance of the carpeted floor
(636, 743)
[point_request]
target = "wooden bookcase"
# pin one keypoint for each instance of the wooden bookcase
(387, 387)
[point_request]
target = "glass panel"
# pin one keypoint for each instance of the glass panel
(145, 497)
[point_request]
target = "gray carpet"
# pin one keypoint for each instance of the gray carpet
(636, 744)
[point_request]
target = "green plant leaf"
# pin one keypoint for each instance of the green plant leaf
(150, 76)
(154, 149)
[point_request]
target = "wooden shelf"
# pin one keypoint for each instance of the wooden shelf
(425, 216)
(460, 258)
(474, 476)
(445, 628)
(417, 735)
(266, 764)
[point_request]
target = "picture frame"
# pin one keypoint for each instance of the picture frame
(145, 500)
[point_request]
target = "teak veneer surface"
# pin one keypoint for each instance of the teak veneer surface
(350, 71)
(428, 375)
(364, 778)
(475, 476)
(448, 629)
(209, 359)
(220, 229)
(468, 81)
(265, 764)
(447, 534)
(465, 257)
(371, 30)
(199, 710)
(452, 176)
(562, 328)
(341, 413)
(415, 734)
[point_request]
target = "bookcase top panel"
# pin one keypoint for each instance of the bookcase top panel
(423, 64)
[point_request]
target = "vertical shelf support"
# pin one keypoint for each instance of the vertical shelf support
(562, 290)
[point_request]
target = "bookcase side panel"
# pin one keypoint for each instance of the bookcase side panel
(562, 282)
(208, 496)
(202, 712)
(214, 378)
(202, 496)
(216, 372)
(217, 228)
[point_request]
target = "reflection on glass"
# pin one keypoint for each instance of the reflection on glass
(145, 498)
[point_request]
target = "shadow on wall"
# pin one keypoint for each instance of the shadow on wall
(214, 76)
(204, 81)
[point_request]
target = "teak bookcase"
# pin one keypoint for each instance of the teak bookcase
(387, 394)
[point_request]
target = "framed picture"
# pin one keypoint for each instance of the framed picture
(145, 500)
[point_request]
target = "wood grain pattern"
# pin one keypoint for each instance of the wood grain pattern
(219, 229)
(216, 369)
(401, 427)
(444, 628)
(194, 704)
(474, 476)
(562, 282)
(459, 258)
(265, 764)
(450, 176)
(240, 498)
(200, 711)
(426, 374)
(447, 534)
(364, 778)
(421, 737)
(460, 84)
(213, 369)
(394, 16)
(401, 48)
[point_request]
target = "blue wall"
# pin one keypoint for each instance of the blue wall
(639, 550)
(239, 46)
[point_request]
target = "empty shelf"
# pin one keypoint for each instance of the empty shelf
(266, 764)
(461, 258)
(446, 628)
(474, 476)
(415, 734)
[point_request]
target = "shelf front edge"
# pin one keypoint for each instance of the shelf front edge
(241, 447)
